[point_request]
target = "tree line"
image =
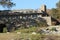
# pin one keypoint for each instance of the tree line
(55, 12)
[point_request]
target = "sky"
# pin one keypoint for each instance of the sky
(32, 4)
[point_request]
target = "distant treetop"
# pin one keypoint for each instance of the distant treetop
(7, 3)
(58, 4)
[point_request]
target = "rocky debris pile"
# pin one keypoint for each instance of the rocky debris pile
(50, 30)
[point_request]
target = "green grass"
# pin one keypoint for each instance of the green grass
(27, 30)
(30, 37)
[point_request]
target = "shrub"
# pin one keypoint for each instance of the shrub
(53, 29)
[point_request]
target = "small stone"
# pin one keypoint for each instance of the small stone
(34, 33)
(7, 32)
(18, 32)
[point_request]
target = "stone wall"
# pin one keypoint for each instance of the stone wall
(48, 20)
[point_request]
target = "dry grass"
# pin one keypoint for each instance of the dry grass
(27, 36)
(9, 36)
(51, 37)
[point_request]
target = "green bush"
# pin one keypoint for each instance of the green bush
(53, 29)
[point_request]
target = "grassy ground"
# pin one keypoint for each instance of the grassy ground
(29, 30)
(26, 36)
(6, 36)
(15, 36)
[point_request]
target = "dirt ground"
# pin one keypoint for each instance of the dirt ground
(8, 36)
(15, 36)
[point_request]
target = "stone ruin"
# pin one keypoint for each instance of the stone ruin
(17, 18)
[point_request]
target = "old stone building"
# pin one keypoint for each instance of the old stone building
(23, 17)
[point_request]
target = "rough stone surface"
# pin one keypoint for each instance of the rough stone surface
(55, 30)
